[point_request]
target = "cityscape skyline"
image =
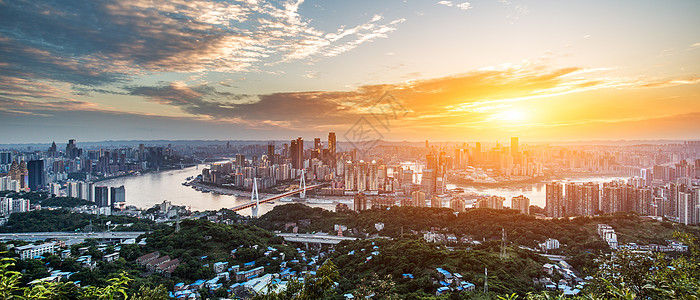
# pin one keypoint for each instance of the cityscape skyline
(268, 70)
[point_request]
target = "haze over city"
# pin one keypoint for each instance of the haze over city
(540, 70)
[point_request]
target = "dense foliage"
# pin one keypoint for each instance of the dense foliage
(578, 236)
(419, 258)
(200, 238)
(64, 220)
(65, 202)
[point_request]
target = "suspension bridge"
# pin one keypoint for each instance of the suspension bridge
(255, 199)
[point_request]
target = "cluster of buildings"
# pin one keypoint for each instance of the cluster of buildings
(38, 170)
(242, 281)
(607, 233)
(153, 262)
(452, 282)
(678, 201)
(569, 284)
(277, 166)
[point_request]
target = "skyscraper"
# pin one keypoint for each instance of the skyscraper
(118, 196)
(36, 174)
(293, 148)
(514, 146)
(331, 149)
(300, 153)
(554, 199)
(102, 196)
(270, 150)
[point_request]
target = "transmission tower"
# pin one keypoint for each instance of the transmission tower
(177, 222)
(504, 238)
(486, 280)
(302, 185)
(254, 198)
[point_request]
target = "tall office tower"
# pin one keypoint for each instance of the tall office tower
(142, 152)
(36, 174)
(270, 151)
(418, 199)
(332, 149)
(521, 203)
(554, 199)
(349, 176)
(118, 196)
(456, 204)
(514, 146)
(300, 152)
(72, 150)
(436, 202)
(293, 148)
(102, 196)
(317, 143)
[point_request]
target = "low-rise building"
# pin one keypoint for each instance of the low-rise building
(31, 250)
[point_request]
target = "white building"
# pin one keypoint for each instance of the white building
(549, 244)
(31, 251)
(9, 205)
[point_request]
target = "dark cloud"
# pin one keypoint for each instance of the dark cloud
(93, 42)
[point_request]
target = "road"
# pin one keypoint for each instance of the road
(40, 236)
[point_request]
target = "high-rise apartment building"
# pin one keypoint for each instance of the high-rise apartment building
(457, 204)
(418, 199)
(521, 203)
(554, 200)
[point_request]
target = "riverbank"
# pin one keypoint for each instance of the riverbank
(532, 181)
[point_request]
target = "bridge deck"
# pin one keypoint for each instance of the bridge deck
(314, 238)
(275, 197)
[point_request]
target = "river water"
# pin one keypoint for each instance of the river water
(144, 191)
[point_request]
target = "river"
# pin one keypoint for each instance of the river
(146, 190)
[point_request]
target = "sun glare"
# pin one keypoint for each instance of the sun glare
(510, 116)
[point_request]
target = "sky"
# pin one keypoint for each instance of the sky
(394, 70)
